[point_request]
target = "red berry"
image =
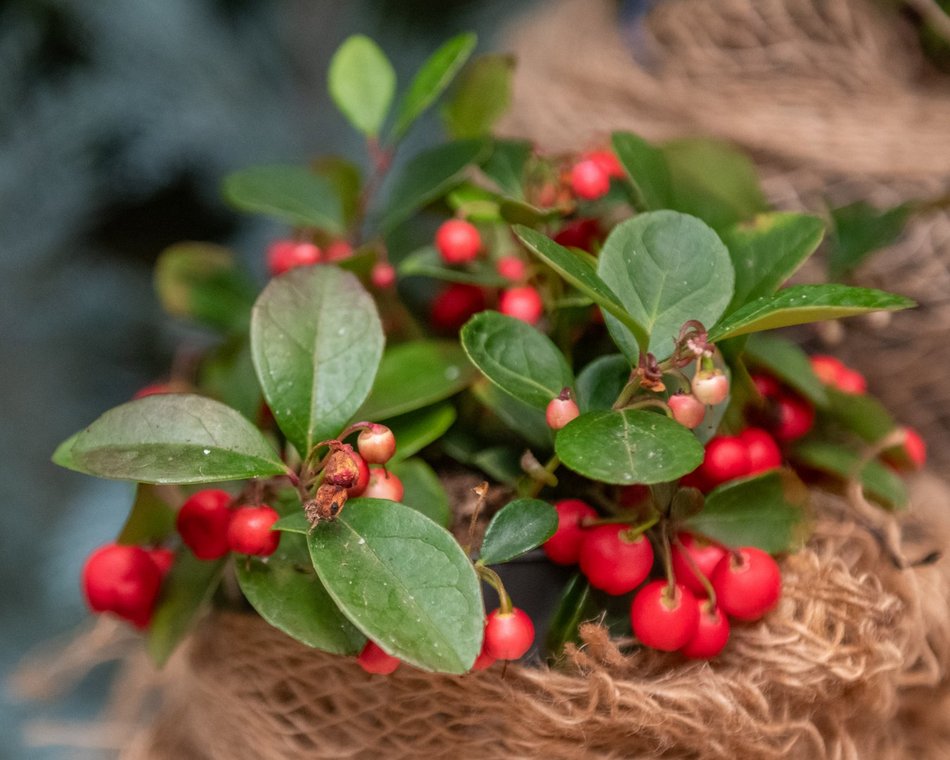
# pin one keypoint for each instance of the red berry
(764, 453)
(712, 633)
(484, 660)
(589, 180)
(687, 410)
(581, 233)
(338, 250)
(727, 458)
(748, 583)
(767, 386)
(508, 635)
(458, 241)
(633, 496)
(511, 268)
(383, 485)
(163, 559)
(915, 447)
(376, 444)
(664, 617)
(123, 580)
(374, 660)
(852, 381)
(827, 368)
(283, 255)
(561, 410)
(202, 523)
(710, 387)
(383, 275)
(250, 531)
(522, 302)
(362, 477)
(453, 306)
(795, 417)
(564, 547)
(611, 562)
(607, 161)
(155, 389)
(705, 556)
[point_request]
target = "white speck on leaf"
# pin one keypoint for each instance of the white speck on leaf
(206, 451)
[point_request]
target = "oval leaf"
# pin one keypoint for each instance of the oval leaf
(800, 304)
(416, 430)
(427, 262)
(516, 357)
(600, 382)
(423, 490)
(403, 581)
(646, 167)
(316, 340)
(880, 482)
(362, 83)
(629, 446)
(788, 363)
(506, 166)
(173, 438)
(290, 193)
(152, 518)
(520, 526)
(480, 97)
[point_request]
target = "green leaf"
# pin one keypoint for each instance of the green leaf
(518, 358)
(417, 374)
(506, 166)
(428, 176)
(416, 430)
(880, 482)
(403, 581)
(63, 456)
(286, 592)
(296, 522)
(627, 447)
(200, 281)
(347, 182)
(518, 527)
(574, 607)
(152, 518)
(859, 230)
(500, 463)
(173, 438)
(666, 268)
(431, 81)
(600, 382)
(290, 193)
(801, 304)
(862, 414)
(714, 181)
(574, 268)
(423, 490)
(526, 421)
(227, 374)
(480, 97)
(475, 204)
(767, 250)
(186, 593)
(646, 167)
(362, 83)
(765, 511)
(786, 361)
(316, 340)
(427, 262)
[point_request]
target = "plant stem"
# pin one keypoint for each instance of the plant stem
(494, 580)
(700, 575)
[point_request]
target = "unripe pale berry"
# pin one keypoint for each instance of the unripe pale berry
(508, 636)
(762, 450)
(561, 410)
(564, 547)
(284, 255)
(453, 306)
(522, 302)
(376, 444)
(123, 580)
(250, 530)
(511, 268)
(704, 555)
(383, 275)
(748, 583)
(664, 617)
(374, 660)
(712, 633)
(589, 180)
(202, 523)
(611, 561)
(710, 387)
(458, 241)
(687, 410)
(383, 485)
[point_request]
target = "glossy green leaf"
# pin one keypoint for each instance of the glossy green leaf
(600, 382)
(428, 176)
(627, 447)
(316, 340)
(200, 281)
(423, 491)
(518, 527)
(499, 463)
(427, 262)
(767, 250)
(152, 517)
(416, 430)
(862, 414)
(186, 593)
(417, 374)
(172, 438)
(362, 83)
(435, 75)
(646, 167)
(518, 358)
(573, 608)
(505, 166)
(789, 363)
(666, 268)
(404, 581)
(285, 591)
(290, 193)
(880, 482)
(480, 97)
(295, 522)
(859, 230)
(526, 421)
(801, 304)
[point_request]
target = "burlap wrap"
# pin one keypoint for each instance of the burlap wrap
(851, 665)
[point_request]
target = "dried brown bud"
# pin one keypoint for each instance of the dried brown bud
(327, 503)
(340, 468)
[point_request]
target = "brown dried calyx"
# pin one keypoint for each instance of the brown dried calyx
(326, 503)
(340, 468)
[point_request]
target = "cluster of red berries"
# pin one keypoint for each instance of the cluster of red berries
(126, 580)
(729, 457)
(590, 176)
(211, 528)
(285, 254)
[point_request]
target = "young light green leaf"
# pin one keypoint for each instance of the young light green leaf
(431, 81)
(172, 438)
(801, 304)
(880, 483)
(519, 359)
(475, 203)
(185, 594)
(416, 430)
(416, 374)
(480, 97)
(316, 340)
(629, 446)
(505, 166)
(286, 592)
(600, 382)
(767, 250)
(859, 230)
(152, 518)
(427, 262)
(646, 167)
(789, 363)
(764, 511)
(520, 526)
(666, 268)
(423, 490)
(290, 193)
(362, 83)
(403, 581)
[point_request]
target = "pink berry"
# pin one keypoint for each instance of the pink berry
(511, 268)
(383, 275)
(284, 255)
(383, 485)
(748, 583)
(664, 617)
(339, 250)
(374, 660)
(508, 636)
(687, 410)
(202, 523)
(376, 444)
(561, 410)
(123, 580)
(522, 302)
(589, 180)
(250, 531)
(705, 556)
(458, 241)
(453, 306)
(763, 452)
(611, 561)
(712, 633)
(564, 547)
(710, 387)
(726, 458)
